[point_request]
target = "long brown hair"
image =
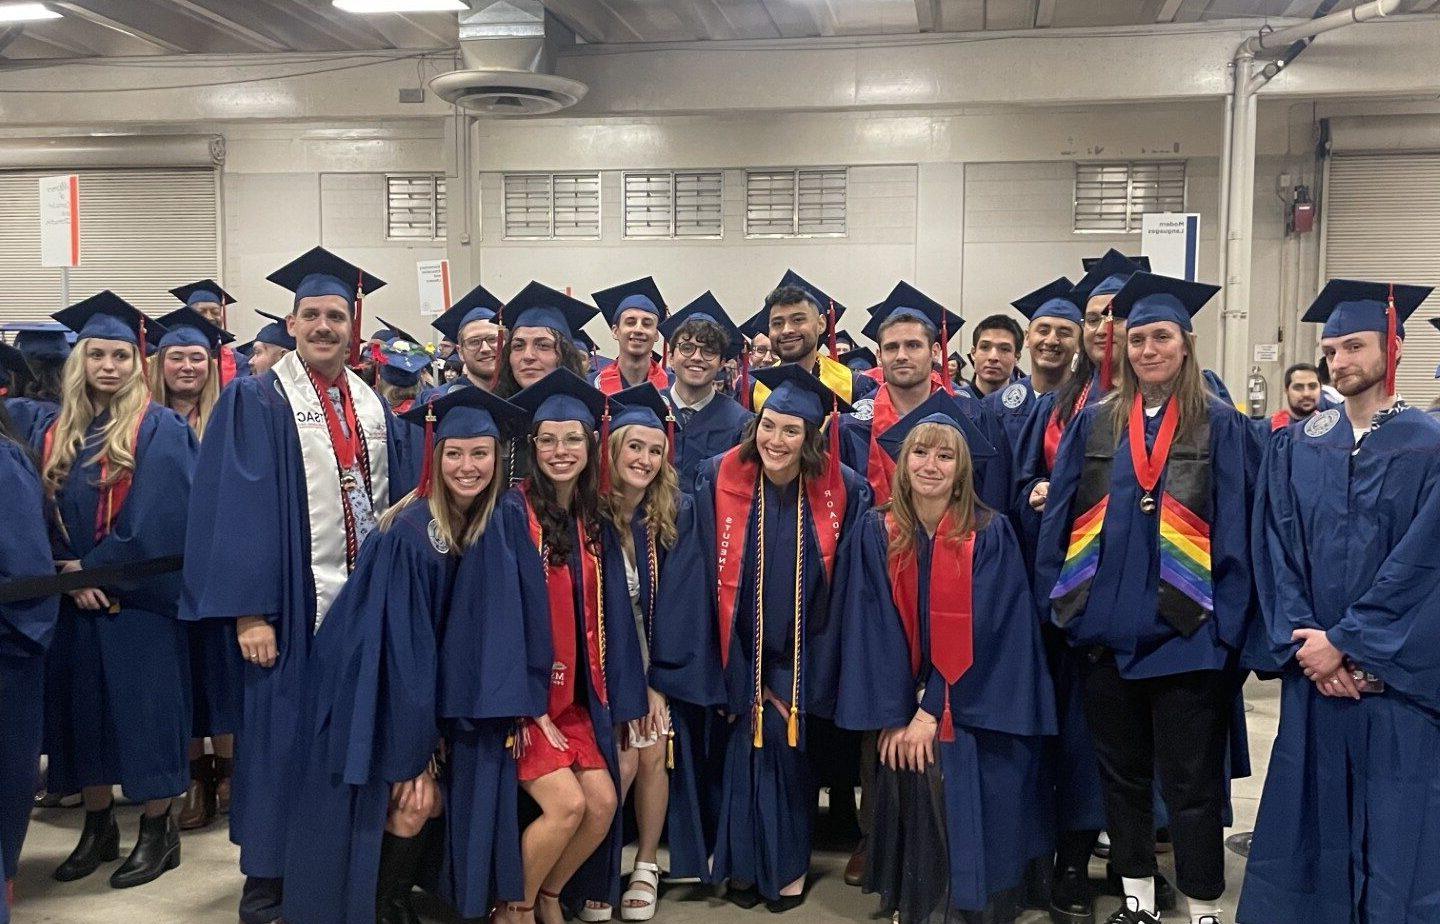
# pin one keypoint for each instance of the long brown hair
(967, 514)
(459, 526)
(555, 520)
(1190, 391)
(812, 450)
(78, 411)
(570, 358)
(661, 500)
(209, 392)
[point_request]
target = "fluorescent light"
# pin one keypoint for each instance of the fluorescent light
(402, 6)
(26, 12)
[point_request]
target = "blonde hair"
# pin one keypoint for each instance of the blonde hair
(661, 499)
(78, 411)
(459, 527)
(209, 392)
(396, 395)
(1190, 391)
(967, 514)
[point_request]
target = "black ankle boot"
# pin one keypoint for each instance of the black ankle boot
(399, 861)
(1072, 900)
(99, 843)
(157, 850)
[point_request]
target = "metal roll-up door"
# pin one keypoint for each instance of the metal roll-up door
(142, 232)
(1382, 222)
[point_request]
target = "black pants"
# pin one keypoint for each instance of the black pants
(260, 900)
(1180, 725)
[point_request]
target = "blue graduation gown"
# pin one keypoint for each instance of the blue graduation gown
(764, 824)
(26, 628)
(369, 718)
(247, 553)
(494, 668)
(117, 692)
(409, 442)
(1349, 823)
(1012, 406)
(714, 429)
(996, 816)
(1122, 612)
(32, 417)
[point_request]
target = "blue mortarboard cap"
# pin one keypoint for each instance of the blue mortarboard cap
(16, 371)
(959, 359)
(823, 301)
(274, 333)
(1349, 306)
(1147, 298)
(859, 359)
(757, 324)
(640, 406)
(943, 409)
(320, 272)
(562, 396)
(246, 348)
(476, 305)
(844, 343)
(796, 392)
(585, 342)
(1052, 300)
(402, 360)
(462, 413)
(107, 316)
(539, 305)
(1105, 276)
(706, 308)
(41, 341)
(201, 292)
(390, 333)
(187, 327)
(907, 301)
(1142, 263)
(639, 293)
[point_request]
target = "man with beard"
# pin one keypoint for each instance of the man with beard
(470, 324)
(994, 351)
(209, 301)
(1052, 339)
(701, 336)
(798, 315)
(1302, 395)
(1343, 539)
(635, 311)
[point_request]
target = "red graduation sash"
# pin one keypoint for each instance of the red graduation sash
(734, 496)
(112, 498)
(227, 365)
(609, 381)
(952, 612)
(880, 468)
(1054, 429)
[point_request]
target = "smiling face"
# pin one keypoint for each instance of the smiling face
(636, 331)
(795, 330)
(109, 364)
(778, 440)
(321, 326)
(1357, 361)
(479, 341)
(1052, 343)
(932, 466)
(639, 456)
(185, 369)
(561, 450)
(907, 352)
(467, 465)
(534, 353)
(210, 311)
(762, 354)
(1095, 329)
(1156, 352)
(694, 362)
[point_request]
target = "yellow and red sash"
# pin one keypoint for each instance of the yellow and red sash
(610, 381)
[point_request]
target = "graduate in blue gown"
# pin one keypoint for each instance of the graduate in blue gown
(295, 466)
(401, 377)
(29, 377)
(1345, 528)
(471, 325)
(701, 337)
(365, 781)
(26, 628)
(117, 697)
(807, 338)
(1052, 339)
(206, 298)
(272, 341)
(1143, 549)
(958, 821)
(766, 656)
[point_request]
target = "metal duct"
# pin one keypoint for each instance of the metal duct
(77, 151)
(509, 51)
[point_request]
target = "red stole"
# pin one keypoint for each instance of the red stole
(227, 365)
(560, 590)
(610, 381)
(734, 495)
(112, 497)
(880, 468)
(1054, 429)
(951, 608)
(1281, 419)
(404, 406)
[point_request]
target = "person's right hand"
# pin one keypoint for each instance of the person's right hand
(889, 746)
(257, 640)
(557, 738)
(1038, 496)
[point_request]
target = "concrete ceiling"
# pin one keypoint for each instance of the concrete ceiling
(119, 28)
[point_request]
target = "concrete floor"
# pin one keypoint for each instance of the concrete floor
(207, 885)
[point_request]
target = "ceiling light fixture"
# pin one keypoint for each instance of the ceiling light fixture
(402, 6)
(26, 12)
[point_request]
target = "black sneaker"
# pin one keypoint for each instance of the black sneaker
(1210, 919)
(1130, 913)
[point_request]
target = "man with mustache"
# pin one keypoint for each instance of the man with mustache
(796, 316)
(1302, 395)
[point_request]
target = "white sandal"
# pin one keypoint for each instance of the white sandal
(649, 874)
(591, 915)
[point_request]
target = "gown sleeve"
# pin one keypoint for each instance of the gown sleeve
(1280, 568)
(237, 492)
(1055, 523)
(625, 677)
(152, 522)
(1235, 460)
(26, 625)
(877, 689)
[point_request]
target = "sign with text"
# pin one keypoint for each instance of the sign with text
(1172, 242)
(434, 278)
(60, 220)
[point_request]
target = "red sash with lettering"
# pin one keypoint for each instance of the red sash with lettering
(112, 497)
(952, 612)
(734, 496)
(610, 381)
(560, 590)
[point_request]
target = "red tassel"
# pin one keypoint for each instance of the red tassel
(743, 381)
(427, 465)
(945, 357)
(947, 724)
(144, 357)
(830, 330)
(834, 435)
(605, 451)
(670, 433)
(1107, 366)
(499, 348)
(355, 322)
(377, 355)
(1392, 343)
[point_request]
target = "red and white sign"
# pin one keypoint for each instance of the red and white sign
(60, 220)
(434, 279)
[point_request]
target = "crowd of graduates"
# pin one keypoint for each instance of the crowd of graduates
(437, 620)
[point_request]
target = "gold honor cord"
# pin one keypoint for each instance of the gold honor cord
(792, 731)
(599, 605)
(759, 718)
(652, 557)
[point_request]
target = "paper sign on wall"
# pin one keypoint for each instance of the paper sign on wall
(1172, 242)
(434, 279)
(1267, 352)
(60, 220)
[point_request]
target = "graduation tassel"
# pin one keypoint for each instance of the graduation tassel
(1107, 370)
(1391, 342)
(605, 451)
(947, 724)
(758, 716)
(944, 345)
(670, 431)
(792, 724)
(355, 323)
(144, 359)
(499, 347)
(830, 330)
(427, 465)
(743, 386)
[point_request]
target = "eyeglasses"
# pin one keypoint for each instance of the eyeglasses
(549, 442)
(760, 350)
(474, 344)
(690, 349)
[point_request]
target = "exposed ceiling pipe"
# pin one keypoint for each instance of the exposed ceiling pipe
(1237, 191)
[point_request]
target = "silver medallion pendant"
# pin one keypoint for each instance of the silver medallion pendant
(348, 482)
(1147, 503)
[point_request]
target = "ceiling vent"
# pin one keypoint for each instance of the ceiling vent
(509, 52)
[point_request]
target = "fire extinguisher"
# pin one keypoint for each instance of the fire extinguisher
(1256, 390)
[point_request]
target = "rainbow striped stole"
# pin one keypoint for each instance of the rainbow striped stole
(1185, 553)
(1083, 555)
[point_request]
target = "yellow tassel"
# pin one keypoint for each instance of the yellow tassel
(670, 752)
(759, 725)
(792, 730)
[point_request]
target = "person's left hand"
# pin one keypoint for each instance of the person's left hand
(657, 721)
(1316, 656)
(418, 796)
